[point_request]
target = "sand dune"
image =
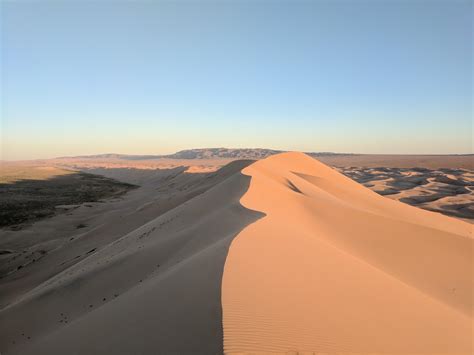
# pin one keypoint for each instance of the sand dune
(441, 183)
(420, 180)
(448, 191)
(283, 255)
(155, 289)
(334, 267)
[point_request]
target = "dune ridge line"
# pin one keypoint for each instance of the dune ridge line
(335, 267)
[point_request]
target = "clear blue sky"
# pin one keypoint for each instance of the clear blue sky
(388, 76)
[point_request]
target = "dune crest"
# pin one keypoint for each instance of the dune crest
(137, 286)
(334, 267)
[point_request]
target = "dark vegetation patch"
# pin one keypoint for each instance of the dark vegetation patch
(26, 201)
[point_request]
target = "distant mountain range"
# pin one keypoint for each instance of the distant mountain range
(205, 153)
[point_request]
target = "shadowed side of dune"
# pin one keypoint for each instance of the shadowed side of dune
(155, 290)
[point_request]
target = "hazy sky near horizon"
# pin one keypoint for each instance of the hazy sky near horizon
(138, 77)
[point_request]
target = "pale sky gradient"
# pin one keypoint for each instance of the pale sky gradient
(151, 77)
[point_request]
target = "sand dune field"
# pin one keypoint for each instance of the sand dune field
(281, 255)
(444, 190)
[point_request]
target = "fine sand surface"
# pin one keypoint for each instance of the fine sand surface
(130, 284)
(336, 268)
(282, 255)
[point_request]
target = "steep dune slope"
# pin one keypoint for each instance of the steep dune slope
(334, 267)
(156, 289)
(54, 244)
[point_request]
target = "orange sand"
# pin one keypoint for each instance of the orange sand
(334, 267)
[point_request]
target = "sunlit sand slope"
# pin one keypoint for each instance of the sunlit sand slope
(335, 267)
